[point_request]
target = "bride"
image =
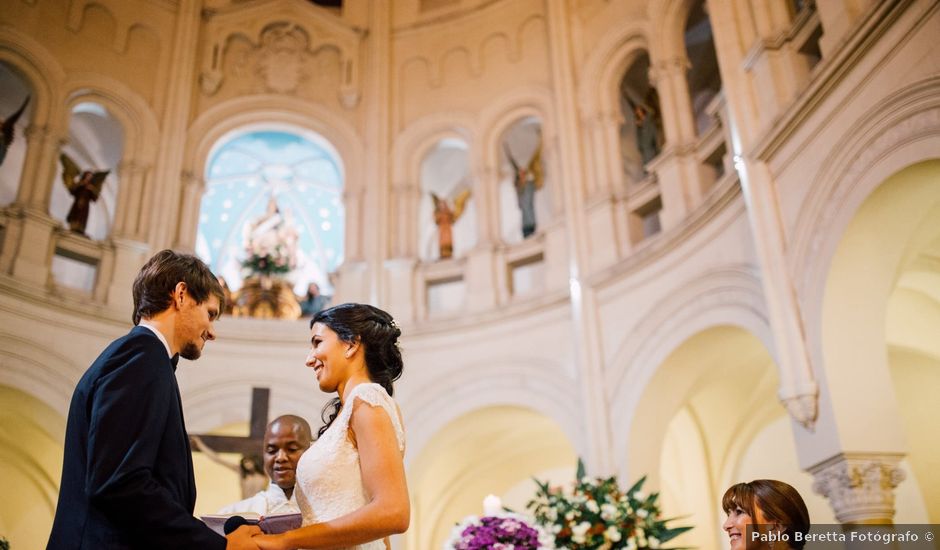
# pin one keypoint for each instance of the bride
(351, 484)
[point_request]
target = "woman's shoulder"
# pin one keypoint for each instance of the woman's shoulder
(372, 393)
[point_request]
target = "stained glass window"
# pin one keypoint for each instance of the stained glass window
(302, 174)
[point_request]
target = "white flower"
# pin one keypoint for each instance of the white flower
(592, 506)
(642, 513)
(608, 511)
(653, 542)
(612, 534)
(639, 495)
(578, 532)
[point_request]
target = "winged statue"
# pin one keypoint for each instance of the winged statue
(8, 128)
(85, 186)
(527, 181)
(445, 217)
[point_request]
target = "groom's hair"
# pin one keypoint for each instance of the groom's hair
(153, 287)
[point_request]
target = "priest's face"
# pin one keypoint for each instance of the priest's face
(194, 325)
(284, 442)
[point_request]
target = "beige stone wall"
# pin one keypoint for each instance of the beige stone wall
(778, 300)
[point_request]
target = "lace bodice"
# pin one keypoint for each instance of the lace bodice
(329, 480)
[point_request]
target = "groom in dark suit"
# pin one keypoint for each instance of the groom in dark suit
(127, 477)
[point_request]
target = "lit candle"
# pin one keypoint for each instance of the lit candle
(492, 505)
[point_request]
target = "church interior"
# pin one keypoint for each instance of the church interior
(692, 240)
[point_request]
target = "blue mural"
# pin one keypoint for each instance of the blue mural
(306, 181)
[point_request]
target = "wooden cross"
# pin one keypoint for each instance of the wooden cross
(246, 446)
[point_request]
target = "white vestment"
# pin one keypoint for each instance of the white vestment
(266, 503)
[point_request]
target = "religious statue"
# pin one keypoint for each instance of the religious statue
(527, 180)
(271, 253)
(270, 243)
(445, 217)
(7, 130)
(646, 118)
(85, 186)
(250, 468)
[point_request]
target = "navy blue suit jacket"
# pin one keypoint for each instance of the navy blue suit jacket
(127, 477)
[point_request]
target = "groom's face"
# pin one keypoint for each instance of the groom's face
(194, 325)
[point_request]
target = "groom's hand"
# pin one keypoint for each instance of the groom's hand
(240, 539)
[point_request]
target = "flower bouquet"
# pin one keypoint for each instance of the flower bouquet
(498, 529)
(594, 514)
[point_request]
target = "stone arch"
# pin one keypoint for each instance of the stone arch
(904, 129)
(728, 297)
(489, 449)
(37, 371)
(667, 25)
(236, 113)
(872, 325)
(31, 451)
(141, 129)
(498, 117)
(414, 142)
(39, 68)
(490, 384)
(605, 67)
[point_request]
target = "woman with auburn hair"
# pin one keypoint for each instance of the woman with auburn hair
(774, 508)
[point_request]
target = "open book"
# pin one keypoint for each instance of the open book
(275, 523)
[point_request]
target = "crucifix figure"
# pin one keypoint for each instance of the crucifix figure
(251, 467)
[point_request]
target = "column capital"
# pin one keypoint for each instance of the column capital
(860, 487)
(667, 67)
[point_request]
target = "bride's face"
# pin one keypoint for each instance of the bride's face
(327, 357)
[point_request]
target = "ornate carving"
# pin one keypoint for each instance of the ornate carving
(282, 57)
(803, 408)
(277, 46)
(860, 488)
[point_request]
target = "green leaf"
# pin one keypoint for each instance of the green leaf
(637, 486)
(580, 473)
(672, 533)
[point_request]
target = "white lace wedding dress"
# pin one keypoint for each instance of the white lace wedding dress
(329, 481)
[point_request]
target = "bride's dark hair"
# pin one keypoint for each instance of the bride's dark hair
(378, 334)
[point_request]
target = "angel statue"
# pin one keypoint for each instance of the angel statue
(85, 186)
(445, 217)
(6, 130)
(527, 180)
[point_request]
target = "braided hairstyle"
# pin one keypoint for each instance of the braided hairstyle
(378, 334)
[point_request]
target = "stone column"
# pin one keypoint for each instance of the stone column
(778, 72)
(162, 196)
(483, 290)
(595, 444)
(798, 388)
(860, 487)
(677, 170)
(42, 146)
(377, 101)
(193, 189)
(669, 78)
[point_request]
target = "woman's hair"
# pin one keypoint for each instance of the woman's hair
(378, 334)
(153, 287)
(778, 501)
